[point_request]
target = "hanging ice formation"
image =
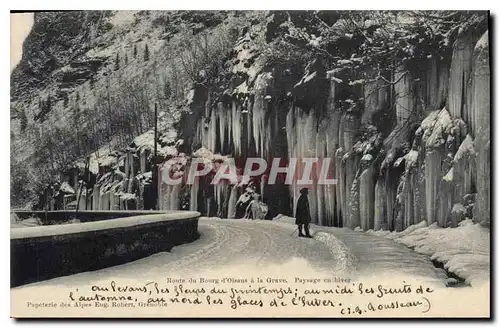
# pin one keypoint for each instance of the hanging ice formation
(431, 158)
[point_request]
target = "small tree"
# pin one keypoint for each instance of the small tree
(146, 53)
(117, 62)
(48, 103)
(135, 50)
(126, 59)
(23, 120)
(167, 89)
(65, 100)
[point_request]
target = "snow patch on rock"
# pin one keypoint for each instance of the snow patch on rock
(466, 149)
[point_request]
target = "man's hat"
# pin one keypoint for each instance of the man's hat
(303, 190)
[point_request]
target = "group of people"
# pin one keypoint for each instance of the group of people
(302, 213)
(256, 210)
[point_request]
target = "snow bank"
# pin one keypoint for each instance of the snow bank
(66, 188)
(464, 251)
(284, 219)
(15, 221)
(14, 218)
(29, 222)
(345, 260)
(203, 153)
(50, 230)
(371, 255)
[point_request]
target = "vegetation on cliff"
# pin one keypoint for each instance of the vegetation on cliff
(391, 97)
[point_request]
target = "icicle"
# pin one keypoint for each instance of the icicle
(174, 197)
(340, 176)
(127, 159)
(262, 184)
(331, 143)
(404, 95)
(460, 71)
(330, 201)
(102, 202)
(140, 199)
(211, 134)
(229, 125)
(367, 201)
(295, 196)
(260, 124)
(222, 125)
(208, 205)
(433, 90)
(249, 115)
(407, 199)
(130, 185)
(233, 198)
(113, 200)
(481, 128)
(374, 96)
(433, 161)
(142, 159)
(107, 203)
(313, 204)
(290, 136)
(304, 141)
(160, 188)
(256, 121)
(193, 200)
(380, 206)
(218, 194)
(236, 127)
(353, 203)
(320, 145)
(165, 199)
(124, 185)
(132, 166)
(96, 195)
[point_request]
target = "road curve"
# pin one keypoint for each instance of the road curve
(258, 244)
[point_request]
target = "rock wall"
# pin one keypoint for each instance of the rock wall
(399, 105)
(418, 149)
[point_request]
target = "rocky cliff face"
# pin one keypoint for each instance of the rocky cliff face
(399, 102)
(409, 140)
(87, 85)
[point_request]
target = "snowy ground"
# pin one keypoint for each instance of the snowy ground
(245, 249)
(464, 251)
(262, 244)
(372, 256)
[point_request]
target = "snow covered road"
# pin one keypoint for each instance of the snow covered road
(260, 244)
(245, 254)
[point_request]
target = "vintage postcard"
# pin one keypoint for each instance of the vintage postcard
(271, 164)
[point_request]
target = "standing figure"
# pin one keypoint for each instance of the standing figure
(303, 214)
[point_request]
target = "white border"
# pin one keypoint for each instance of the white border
(212, 4)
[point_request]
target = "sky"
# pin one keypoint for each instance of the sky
(20, 26)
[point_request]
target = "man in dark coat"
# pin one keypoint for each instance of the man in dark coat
(302, 214)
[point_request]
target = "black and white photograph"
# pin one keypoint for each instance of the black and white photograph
(258, 163)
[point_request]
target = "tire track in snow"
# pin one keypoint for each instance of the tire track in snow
(222, 243)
